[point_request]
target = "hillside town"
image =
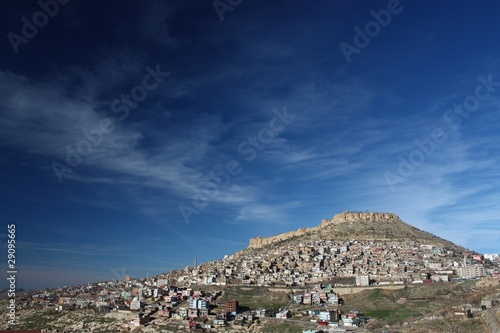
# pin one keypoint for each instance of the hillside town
(319, 261)
(297, 275)
(305, 272)
(134, 303)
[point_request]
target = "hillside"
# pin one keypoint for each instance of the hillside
(352, 225)
(351, 244)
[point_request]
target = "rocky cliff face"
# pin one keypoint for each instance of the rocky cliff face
(345, 217)
(359, 216)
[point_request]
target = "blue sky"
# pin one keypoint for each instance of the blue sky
(136, 137)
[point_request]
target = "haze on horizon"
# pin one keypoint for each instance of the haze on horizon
(136, 137)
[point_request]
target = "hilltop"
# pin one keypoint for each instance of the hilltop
(352, 226)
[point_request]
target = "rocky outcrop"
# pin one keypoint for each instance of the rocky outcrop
(359, 216)
(345, 217)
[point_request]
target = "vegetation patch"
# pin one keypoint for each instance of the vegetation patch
(283, 327)
(379, 314)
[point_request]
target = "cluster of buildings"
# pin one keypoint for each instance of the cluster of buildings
(321, 261)
(154, 299)
(321, 294)
(313, 267)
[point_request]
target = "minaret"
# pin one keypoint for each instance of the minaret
(195, 262)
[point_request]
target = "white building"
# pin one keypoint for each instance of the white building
(198, 303)
(325, 316)
(135, 304)
(162, 282)
(492, 257)
(471, 271)
(362, 280)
